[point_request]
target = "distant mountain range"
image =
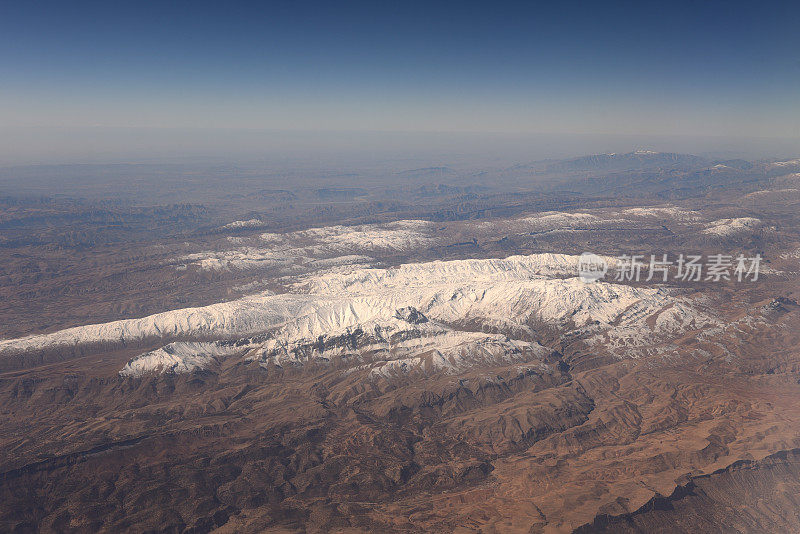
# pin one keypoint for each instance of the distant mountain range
(638, 160)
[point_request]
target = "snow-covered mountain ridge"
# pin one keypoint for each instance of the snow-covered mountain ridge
(511, 293)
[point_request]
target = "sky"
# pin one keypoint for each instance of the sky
(91, 72)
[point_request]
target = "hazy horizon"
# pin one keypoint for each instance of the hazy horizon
(100, 82)
(53, 146)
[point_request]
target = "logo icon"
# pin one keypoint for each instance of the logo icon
(591, 267)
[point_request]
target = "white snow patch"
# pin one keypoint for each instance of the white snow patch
(179, 357)
(732, 227)
(788, 163)
(298, 248)
(664, 212)
(250, 223)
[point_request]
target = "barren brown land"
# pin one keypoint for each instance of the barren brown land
(403, 358)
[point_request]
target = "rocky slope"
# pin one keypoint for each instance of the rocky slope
(419, 376)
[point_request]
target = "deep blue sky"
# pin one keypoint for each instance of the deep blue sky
(708, 68)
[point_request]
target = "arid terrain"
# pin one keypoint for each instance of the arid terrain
(400, 350)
